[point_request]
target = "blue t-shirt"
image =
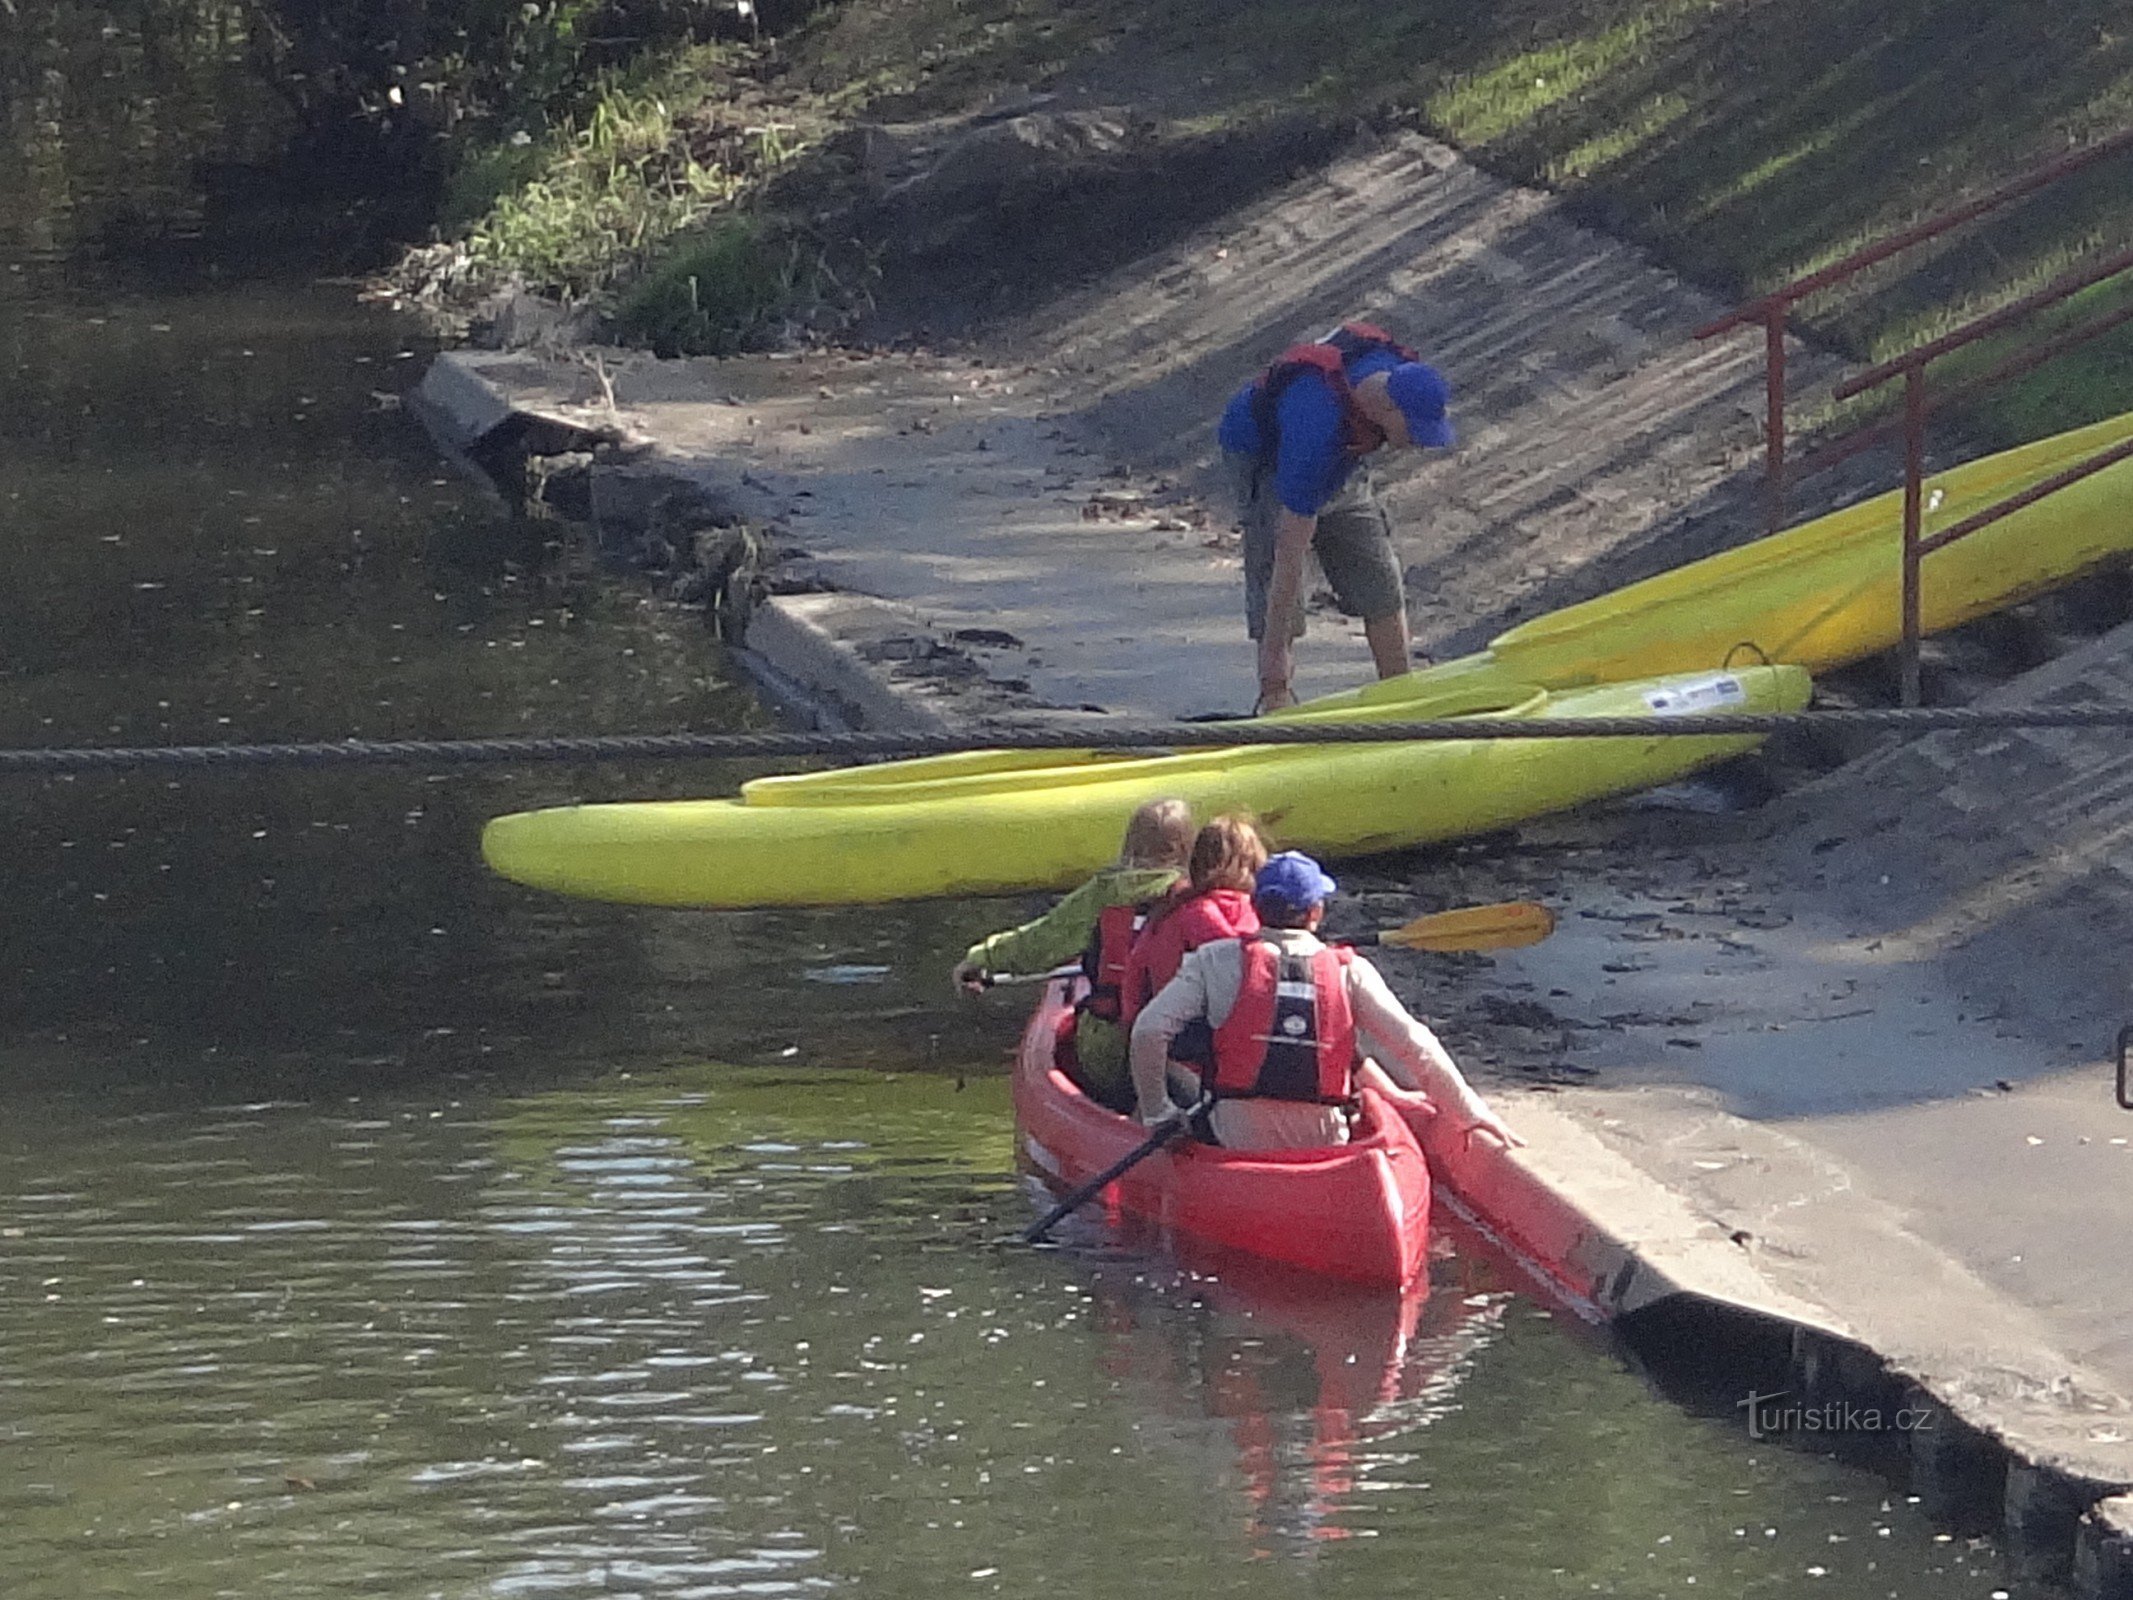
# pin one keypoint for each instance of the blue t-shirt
(1311, 465)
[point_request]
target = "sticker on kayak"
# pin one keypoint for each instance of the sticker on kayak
(1692, 699)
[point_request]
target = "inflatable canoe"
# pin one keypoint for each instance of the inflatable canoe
(989, 832)
(1357, 1211)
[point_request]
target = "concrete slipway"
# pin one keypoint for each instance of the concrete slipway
(1838, 1062)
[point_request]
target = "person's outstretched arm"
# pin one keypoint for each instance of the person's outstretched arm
(1307, 466)
(1284, 601)
(1414, 1058)
(1062, 933)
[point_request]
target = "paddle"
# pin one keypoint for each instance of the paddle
(1506, 925)
(1155, 1141)
(1009, 980)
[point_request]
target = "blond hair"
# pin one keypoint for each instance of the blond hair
(1227, 855)
(1159, 835)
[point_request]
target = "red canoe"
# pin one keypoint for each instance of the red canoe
(1358, 1211)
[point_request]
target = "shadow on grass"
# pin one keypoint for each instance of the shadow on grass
(1745, 143)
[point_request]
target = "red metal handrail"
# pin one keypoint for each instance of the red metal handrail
(1772, 309)
(1932, 228)
(1845, 446)
(2062, 288)
(1911, 367)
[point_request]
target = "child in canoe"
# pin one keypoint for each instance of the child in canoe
(1097, 922)
(1216, 904)
(1289, 1015)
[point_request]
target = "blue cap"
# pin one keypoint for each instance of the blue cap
(1294, 880)
(1422, 395)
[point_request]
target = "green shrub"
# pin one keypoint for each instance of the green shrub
(716, 293)
(650, 157)
(482, 178)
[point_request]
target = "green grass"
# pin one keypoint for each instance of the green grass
(718, 291)
(1743, 141)
(599, 196)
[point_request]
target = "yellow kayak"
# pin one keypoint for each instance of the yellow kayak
(1470, 686)
(980, 832)
(1817, 596)
(1820, 595)
(1829, 592)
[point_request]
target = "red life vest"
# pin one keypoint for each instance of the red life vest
(1104, 960)
(1291, 1034)
(1330, 358)
(1176, 929)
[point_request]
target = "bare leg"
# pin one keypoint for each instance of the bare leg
(1389, 643)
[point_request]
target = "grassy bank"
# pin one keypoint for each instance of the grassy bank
(1744, 141)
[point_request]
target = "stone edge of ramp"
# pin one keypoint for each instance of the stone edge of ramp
(1609, 1239)
(817, 656)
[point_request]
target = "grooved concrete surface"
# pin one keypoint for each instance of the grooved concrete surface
(1599, 442)
(1869, 1031)
(1054, 489)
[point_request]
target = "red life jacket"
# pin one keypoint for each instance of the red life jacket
(1291, 1034)
(1104, 960)
(1330, 358)
(1176, 929)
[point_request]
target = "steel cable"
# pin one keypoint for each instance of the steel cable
(1148, 738)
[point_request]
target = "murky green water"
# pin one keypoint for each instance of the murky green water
(708, 1331)
(371, 1227)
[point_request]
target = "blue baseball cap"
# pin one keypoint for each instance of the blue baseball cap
(1422, 395)
(1294, 880)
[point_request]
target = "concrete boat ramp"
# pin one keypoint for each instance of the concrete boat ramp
(1840, 1062)
(1865, 1037)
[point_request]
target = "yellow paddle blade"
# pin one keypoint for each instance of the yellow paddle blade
(1503, 926)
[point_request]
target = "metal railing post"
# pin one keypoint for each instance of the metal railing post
(1914, 496)
(1774, 411)
(1772, 309)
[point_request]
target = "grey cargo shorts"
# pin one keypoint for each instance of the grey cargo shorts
(1353, 545)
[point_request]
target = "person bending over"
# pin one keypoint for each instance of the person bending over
(1292, 1017)
(1098, 922)
(1294, 442)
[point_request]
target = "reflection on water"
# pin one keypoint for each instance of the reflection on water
(715, 1332)
(220, 532)
(218, 525)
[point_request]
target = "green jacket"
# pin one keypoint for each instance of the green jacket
(1059, 937)
(1062, 933)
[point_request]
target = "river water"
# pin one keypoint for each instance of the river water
(368, 1226)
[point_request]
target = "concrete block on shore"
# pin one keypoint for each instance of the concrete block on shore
(2042, 1512)
(458, 405)
(1958, 1473)
(815, 640)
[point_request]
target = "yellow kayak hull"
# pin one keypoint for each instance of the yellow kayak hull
(1821, 595)
(1829, 592)
(1473, 685)
(1333, 799)
(1818, 596)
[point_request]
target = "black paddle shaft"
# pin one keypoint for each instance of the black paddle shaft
(1155, 1141)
